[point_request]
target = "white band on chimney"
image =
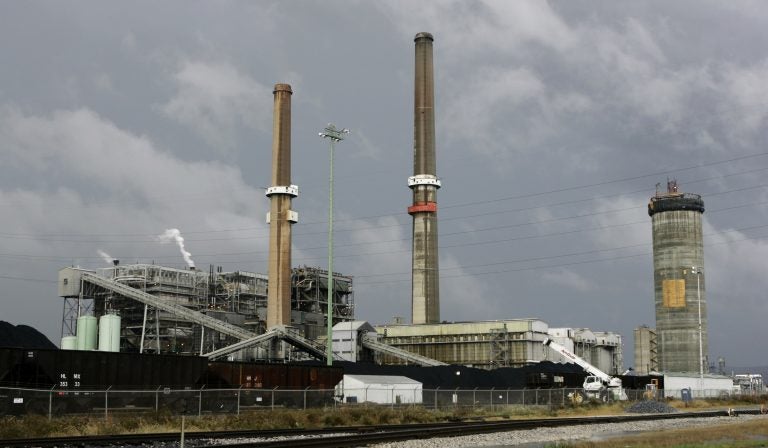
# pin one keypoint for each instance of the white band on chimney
(424, 179)
(293, 217)
(292, 190)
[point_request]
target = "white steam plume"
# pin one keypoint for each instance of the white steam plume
(109, 259)
(175, 235)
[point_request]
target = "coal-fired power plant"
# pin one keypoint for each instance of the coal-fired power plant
(246, 334)
(236, 328)
(425, 299)
(280, 216)
(678, 272)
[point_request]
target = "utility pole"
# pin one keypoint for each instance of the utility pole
(334, 135)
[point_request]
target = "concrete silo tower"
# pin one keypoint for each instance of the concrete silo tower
(678, 275)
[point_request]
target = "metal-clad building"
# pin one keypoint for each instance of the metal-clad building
(678, 273)
(602, 349)
(484, 344)
(646, 353)
(238, 298)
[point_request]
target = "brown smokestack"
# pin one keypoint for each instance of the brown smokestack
(425, 299)
(280, 216)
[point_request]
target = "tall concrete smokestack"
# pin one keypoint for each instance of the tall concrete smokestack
(280, 216)
(425, 299)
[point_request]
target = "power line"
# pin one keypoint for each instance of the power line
(444, 246)
(397, 214)
(530, 268)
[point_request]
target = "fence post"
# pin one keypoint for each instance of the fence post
(536, 396)
(474, 398)
(491, 394)
(106, 403)
(456, 397)
(238, 399)
(157, 399)
(273, 397)
(50, 403)
(507, 396)
(305, 398)
(200, 402)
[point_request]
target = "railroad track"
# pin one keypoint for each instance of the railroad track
(344, 436)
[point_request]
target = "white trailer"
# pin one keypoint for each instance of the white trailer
(379, 389)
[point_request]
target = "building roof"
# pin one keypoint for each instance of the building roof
(695, 375)
(382, 379)
(462, 328)
(355, 325)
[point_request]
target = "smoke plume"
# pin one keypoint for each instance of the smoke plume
(175, 235)
(106, 257)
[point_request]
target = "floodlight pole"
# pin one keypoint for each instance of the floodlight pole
(334, 135)
(697, 271)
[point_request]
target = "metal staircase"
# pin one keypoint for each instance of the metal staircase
(246, 343)
(286, 334)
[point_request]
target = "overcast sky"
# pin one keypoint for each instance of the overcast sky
(555, 122)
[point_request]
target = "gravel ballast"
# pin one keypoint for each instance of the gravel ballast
(540, 437)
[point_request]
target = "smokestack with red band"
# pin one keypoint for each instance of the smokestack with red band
(425, 299)
(280, 217)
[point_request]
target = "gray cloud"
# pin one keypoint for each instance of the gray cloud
(213, 99)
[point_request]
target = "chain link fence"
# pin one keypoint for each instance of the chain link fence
(55, 402)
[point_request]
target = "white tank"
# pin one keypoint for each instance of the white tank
(69, 343)
(86, 333)
(109, 333)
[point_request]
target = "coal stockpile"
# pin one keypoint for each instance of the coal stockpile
(23, 336)
(651, 407)
(638, 382)
(543, 375)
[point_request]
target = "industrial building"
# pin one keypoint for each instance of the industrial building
(602, 349)
(485, 344)
(679, 275)
(646, 351)
(501, 343)
(238, 298)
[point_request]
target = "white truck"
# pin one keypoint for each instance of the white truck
(597, 385)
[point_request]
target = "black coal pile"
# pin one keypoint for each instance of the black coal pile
(23, 336)
(651, 407)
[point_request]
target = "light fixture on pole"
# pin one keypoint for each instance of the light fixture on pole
(334, 135)
(697, 271)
